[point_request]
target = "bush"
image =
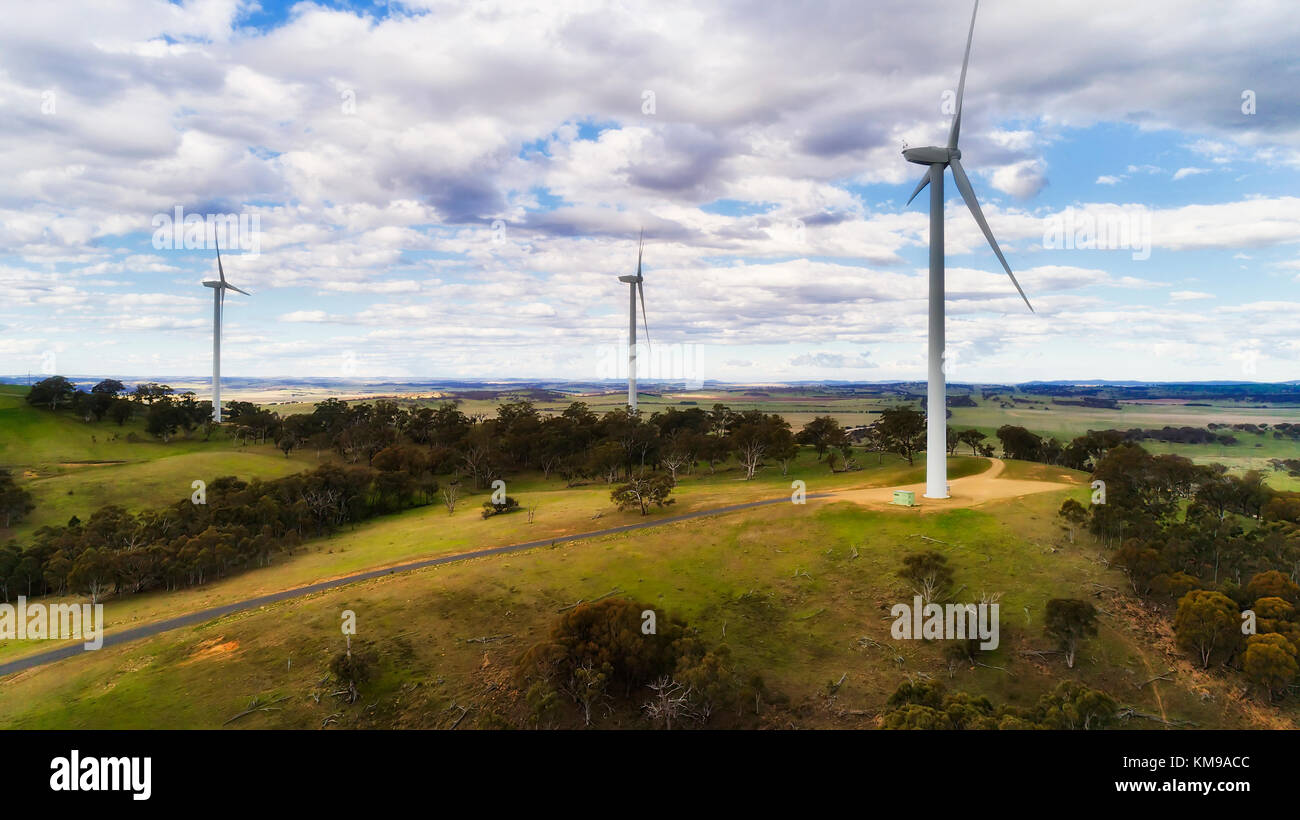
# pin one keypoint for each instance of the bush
(1272, 584)
(926, 705)
(352, 668)
(1069, 622)
(1270, 661)
(490, 508)
(597, 655)
(1073, 705)
(15, 502)
(927, 573)
(1207, 625)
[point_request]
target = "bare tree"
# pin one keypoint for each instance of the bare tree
(321, 502)
(450, 495)
(675, 460)
(97, 586)
(671, 702)
(751, 456)
(928, 586)
(478, 460)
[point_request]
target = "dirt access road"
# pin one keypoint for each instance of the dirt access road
(970, 491)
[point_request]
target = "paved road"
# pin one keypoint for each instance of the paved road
(202, 616)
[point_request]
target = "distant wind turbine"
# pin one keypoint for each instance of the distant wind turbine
(635, 289)
(219, 288)
(938, 158)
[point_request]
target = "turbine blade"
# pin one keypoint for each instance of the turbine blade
(237, 290)
(961, 85)
(968, 194)
(220, 271)
(641, 292)
(640, 246)
(920, 186)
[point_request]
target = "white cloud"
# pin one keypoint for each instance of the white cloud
(1023, 179)
(380, 218)
(836, 361)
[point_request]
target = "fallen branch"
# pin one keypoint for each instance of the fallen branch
(256, 705)
(580, 601)
(488, 638)
(1128, 712)
(1042, 653)
(835, 687)
(928, 538)
(463, 712)
(1164, 676)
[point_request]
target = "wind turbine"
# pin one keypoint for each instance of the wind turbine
(219, 288)
(937, 158)
(635, 289)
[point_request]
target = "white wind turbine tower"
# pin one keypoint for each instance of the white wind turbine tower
(635, 289)
(219, 288)
(937, 158)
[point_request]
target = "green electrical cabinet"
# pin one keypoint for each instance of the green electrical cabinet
(904, 498)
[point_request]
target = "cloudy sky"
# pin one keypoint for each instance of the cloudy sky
(451, 189)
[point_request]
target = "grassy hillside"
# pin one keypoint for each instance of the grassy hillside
(800, 594)
(72, 467)
(430, 531)
(778, 585)
(44, 442)
(140, 485)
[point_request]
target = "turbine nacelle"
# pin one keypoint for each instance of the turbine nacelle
(931, 155)
(631, 280)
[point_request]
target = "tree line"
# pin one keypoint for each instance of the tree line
(166, 412)
(391, 458)
(238, 525)
(1220, 551)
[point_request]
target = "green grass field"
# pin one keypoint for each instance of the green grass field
(429, 531)
(779, 585)
(72, 467)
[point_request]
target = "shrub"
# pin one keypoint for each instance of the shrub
(509, 505)
(927, 573)
(598, 655)
(1207, 624)
(1270, 661)
(352, 668)
(1069, 622)
(1272, 584)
